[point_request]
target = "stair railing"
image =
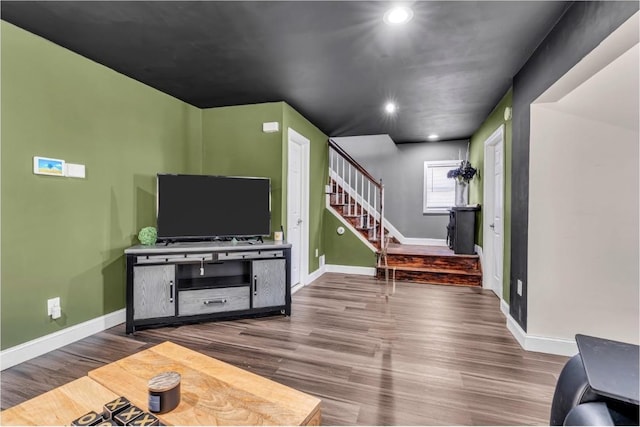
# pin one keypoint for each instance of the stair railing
(361, 193)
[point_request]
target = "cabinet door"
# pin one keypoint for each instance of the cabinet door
(153, 291)
(269, 283)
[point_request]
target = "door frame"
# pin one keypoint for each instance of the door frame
(305, 144)
(496, 138)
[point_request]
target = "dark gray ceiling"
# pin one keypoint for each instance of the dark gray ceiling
(335, 62)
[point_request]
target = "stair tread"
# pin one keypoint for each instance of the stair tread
(425, 251)
(433, 270)
(452, 255)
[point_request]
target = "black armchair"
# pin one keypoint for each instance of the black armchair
(598, 386)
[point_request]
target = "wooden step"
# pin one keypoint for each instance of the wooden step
(338, 199)
(445, 262)
(432, 276)
(355, 216)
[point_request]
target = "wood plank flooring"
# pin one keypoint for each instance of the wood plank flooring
(429, 355)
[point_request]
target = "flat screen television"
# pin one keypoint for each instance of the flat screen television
(202, 207)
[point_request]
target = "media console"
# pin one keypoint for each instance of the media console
(191, 282)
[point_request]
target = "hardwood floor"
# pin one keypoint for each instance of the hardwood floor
(430, 355)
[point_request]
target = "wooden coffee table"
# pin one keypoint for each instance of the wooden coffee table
(213, 392)
(59, 406)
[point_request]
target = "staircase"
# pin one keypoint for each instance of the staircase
(356, 195)
(359, 198)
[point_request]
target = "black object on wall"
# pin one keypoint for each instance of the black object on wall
(582, 27)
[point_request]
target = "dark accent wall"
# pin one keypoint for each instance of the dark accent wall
(582, 27)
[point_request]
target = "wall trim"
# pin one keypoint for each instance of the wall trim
(412, 240)
(296, 288)
(39, 346)
(350, 269)
(421, 241)
(315, 275)
(504, 308)
(560, 346)
(516, 331)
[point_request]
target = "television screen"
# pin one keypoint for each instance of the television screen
(192, 207)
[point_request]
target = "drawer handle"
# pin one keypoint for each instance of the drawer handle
(170, 290)
(255, 285)
(215, 301)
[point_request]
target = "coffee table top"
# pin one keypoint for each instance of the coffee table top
(212, 392)
(61, 405)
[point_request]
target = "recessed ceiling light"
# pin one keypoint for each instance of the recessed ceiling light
(390, 107)
(398, 15)
(433, 136)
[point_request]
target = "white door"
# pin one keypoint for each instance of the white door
(294, 203)
(297, 203)
(496, 225)
(493, 227)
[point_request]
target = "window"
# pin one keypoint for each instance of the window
(439, 191)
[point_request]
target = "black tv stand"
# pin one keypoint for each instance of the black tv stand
(202, 281)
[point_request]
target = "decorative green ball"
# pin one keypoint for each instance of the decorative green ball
(148, 236)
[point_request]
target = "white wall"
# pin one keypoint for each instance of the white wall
(583, 213)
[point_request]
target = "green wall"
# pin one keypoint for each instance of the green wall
(344, 249)
(476, 156)
(233, 144)
(61, 236)
(65, 237)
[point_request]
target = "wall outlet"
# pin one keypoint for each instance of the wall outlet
(53, 308)
(519, 287)
(321, 260)
(316, 252)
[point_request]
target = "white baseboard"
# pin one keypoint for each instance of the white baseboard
(316, 274)
(296, 288)
(516, 331)
(504, 308)
(412, 240)
(421, 241)
(39, 346)
(350, 269)
(560, 346)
